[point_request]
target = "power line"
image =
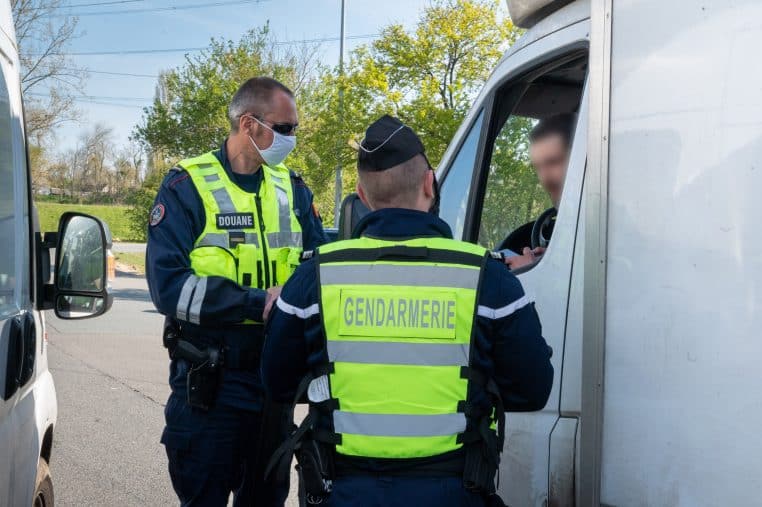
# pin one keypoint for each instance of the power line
(86, 100)
(99, 103)
(158, 9)
(188, 50)
(93, 4)
(108, 73)
(96, 97)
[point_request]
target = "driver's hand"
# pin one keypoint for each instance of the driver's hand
(527, 257)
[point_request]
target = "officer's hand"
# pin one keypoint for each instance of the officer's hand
(273, 293)
(527, 257)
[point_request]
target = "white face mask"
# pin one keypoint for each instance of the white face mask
(278, 150)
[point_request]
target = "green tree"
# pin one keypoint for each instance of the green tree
(428, 78)
(189, 113)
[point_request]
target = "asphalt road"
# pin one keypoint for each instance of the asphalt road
(111, 380)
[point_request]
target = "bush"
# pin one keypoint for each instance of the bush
(140, 202)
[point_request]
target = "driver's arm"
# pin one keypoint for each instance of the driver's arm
(527, 257)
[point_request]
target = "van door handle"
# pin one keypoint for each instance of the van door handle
(15, 360)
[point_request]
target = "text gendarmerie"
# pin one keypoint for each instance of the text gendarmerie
(398, 312)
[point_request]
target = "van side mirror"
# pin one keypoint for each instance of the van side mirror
(352, 210)
(80, 285)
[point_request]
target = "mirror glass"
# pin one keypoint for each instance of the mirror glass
(78, 307)
(81, 265)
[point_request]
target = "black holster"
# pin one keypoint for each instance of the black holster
(315, 468)
(205, 370)
(204, 380)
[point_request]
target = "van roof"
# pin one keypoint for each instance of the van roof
(526, 13)
(570, 14)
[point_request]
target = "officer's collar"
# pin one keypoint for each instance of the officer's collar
(398, 223)
(222, 156)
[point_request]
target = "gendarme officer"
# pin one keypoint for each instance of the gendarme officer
(409, 346)
(226, 231)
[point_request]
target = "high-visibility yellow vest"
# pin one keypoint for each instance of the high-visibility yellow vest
(398, 319)
(254, 239)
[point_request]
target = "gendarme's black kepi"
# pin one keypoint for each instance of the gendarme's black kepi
(388, 142)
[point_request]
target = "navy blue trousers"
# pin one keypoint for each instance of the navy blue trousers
(384, 491)
(212, 454)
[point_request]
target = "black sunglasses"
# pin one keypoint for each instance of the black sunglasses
(281, 128)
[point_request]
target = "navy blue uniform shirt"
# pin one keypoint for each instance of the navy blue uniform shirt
(225, 303)
(509, 345)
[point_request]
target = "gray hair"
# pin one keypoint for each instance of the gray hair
(254, 96)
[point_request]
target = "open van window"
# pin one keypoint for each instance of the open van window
(526, 151)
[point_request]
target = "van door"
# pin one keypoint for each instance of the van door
(19, 440)
(491, 196)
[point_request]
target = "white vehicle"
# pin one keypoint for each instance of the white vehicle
(650, 292)
(27, 394)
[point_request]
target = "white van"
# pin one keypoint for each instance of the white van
(650, 291)
(27, 395)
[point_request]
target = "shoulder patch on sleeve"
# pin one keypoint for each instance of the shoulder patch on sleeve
(157, 215)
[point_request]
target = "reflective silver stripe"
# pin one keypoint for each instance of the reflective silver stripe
(302, 313)
(284, 238)
(404, 275)
(396, 425)
(194, 312)
(222, 239)
(418, 354)
(211, 178)
(284, 211)
(224, 202)
(185, 295)
(504, 311)
(215, 239)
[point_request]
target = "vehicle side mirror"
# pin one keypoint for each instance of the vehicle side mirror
(80, 284)
(352, 210)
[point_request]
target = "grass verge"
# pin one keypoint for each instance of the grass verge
(135, 261)
(114, 215)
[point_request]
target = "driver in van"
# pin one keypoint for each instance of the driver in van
(549, 147)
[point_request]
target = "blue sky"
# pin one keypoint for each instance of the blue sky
(289, 20)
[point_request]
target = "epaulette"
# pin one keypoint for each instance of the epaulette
(306, 255)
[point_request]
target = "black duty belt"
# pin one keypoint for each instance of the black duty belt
(444, 465)
(232, 357)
